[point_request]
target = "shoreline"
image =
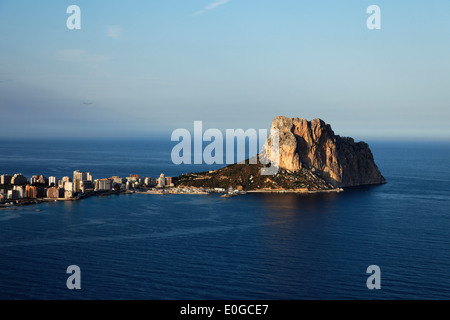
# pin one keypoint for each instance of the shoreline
(337, 190)
(28, 202)
(171, 192)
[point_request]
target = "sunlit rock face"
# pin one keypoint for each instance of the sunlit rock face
(313, 145)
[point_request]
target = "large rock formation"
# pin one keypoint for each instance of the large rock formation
(312, 145)
(311, 158)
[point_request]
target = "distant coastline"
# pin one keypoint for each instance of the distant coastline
(296, 191)
(26, 193)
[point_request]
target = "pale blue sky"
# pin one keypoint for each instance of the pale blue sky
(153, 66)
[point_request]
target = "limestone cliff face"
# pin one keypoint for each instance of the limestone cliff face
(313, 145)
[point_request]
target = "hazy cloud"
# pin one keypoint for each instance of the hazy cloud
(212, 5)
(114, 32)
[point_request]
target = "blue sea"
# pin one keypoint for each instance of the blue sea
(257, 246)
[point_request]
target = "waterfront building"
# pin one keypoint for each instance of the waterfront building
(20, 190)
(78, 178)
(132, 179)
(19, 179)
(169, 182)
(5, 179)
(86, 186)
(62, 182)
(41, 192)
(148, 182)
(103, 185)
(52, 180)
(68, 190)
(53, 193)
(117, 180)
(34, 180)
(115, 186)
(68, 194)
(31, 192)
(13, 195)
(161, 181)
(42, 180)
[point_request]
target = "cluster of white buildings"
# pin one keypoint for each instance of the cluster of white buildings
(18, 187)
(132, 182)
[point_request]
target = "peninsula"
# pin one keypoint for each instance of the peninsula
(311, 158)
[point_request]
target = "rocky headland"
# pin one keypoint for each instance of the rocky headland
(311, 158)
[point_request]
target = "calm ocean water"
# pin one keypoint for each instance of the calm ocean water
(206, 247)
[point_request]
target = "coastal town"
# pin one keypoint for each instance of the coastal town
(18, 190)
